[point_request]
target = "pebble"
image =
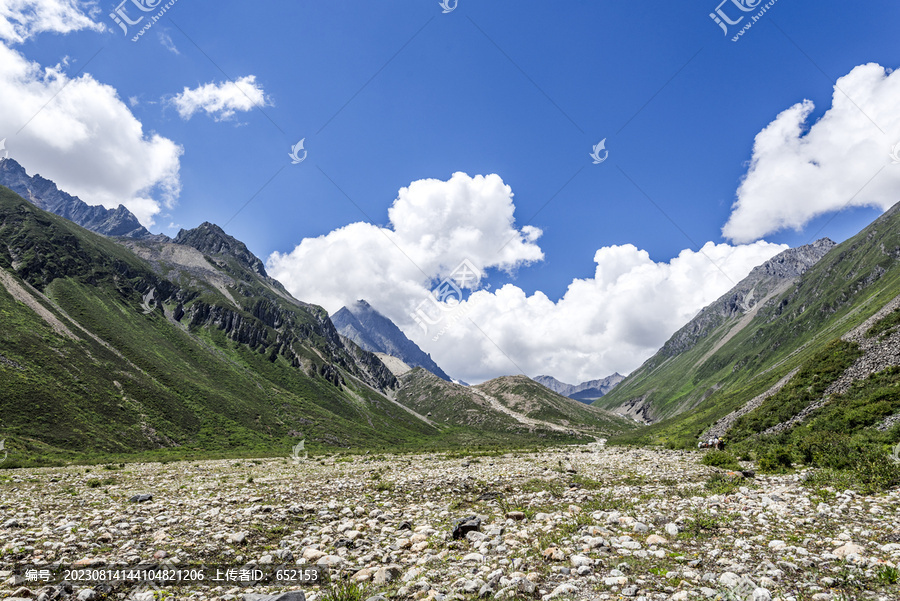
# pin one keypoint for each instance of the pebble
(531, 536)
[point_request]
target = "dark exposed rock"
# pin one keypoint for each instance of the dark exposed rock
(142, 498)
(463, 526)
(210, 239)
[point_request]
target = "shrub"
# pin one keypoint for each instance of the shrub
(720, 459)
(775, 461)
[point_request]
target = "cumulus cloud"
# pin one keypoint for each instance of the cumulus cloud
(434, 225)
(610, 322)
(798, 172)
(80, 134)
(221, 100)
(23, 19)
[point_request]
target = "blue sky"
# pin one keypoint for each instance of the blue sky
(386, 94)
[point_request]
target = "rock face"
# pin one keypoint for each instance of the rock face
(375, 333)
(43, 193)
(584, 392)
(210, 239)
(773, 275)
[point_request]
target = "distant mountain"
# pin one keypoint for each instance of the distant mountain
(375, 333)
(509, 408)
(44, 194)
(586, 392)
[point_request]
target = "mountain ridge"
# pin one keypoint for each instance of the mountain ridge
(819, 353)
(733, 311)
(586, 392)
(43, 193)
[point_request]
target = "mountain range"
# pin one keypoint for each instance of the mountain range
(119, 342)
(585, 392)
(182, 347)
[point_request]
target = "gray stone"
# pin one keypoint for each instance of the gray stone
(465, 525)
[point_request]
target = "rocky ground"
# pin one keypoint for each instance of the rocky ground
(576, 523)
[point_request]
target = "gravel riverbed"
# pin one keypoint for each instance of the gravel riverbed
(588, 522)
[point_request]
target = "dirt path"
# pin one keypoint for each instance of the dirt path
(522, 419)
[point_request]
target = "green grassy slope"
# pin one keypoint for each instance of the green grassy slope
(524, 395)
(466, 415)
(847, 286)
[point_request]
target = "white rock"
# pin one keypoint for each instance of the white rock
(729, 579)
(581, 560)
(848, 549)
(563, 589)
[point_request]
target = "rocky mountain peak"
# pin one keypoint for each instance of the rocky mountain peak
(210, 239)
(794, 262)
(762, 282)
(374, 332)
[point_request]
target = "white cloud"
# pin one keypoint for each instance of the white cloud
(798, 172)
(221, 100)
(610, 322)
(434, 225)
(166, 40)
(85, 138)
(23, 19)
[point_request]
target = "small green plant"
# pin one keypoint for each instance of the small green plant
(887, 575)
(346, 591)
(701, 524)
(93, 483)
(720, 484)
